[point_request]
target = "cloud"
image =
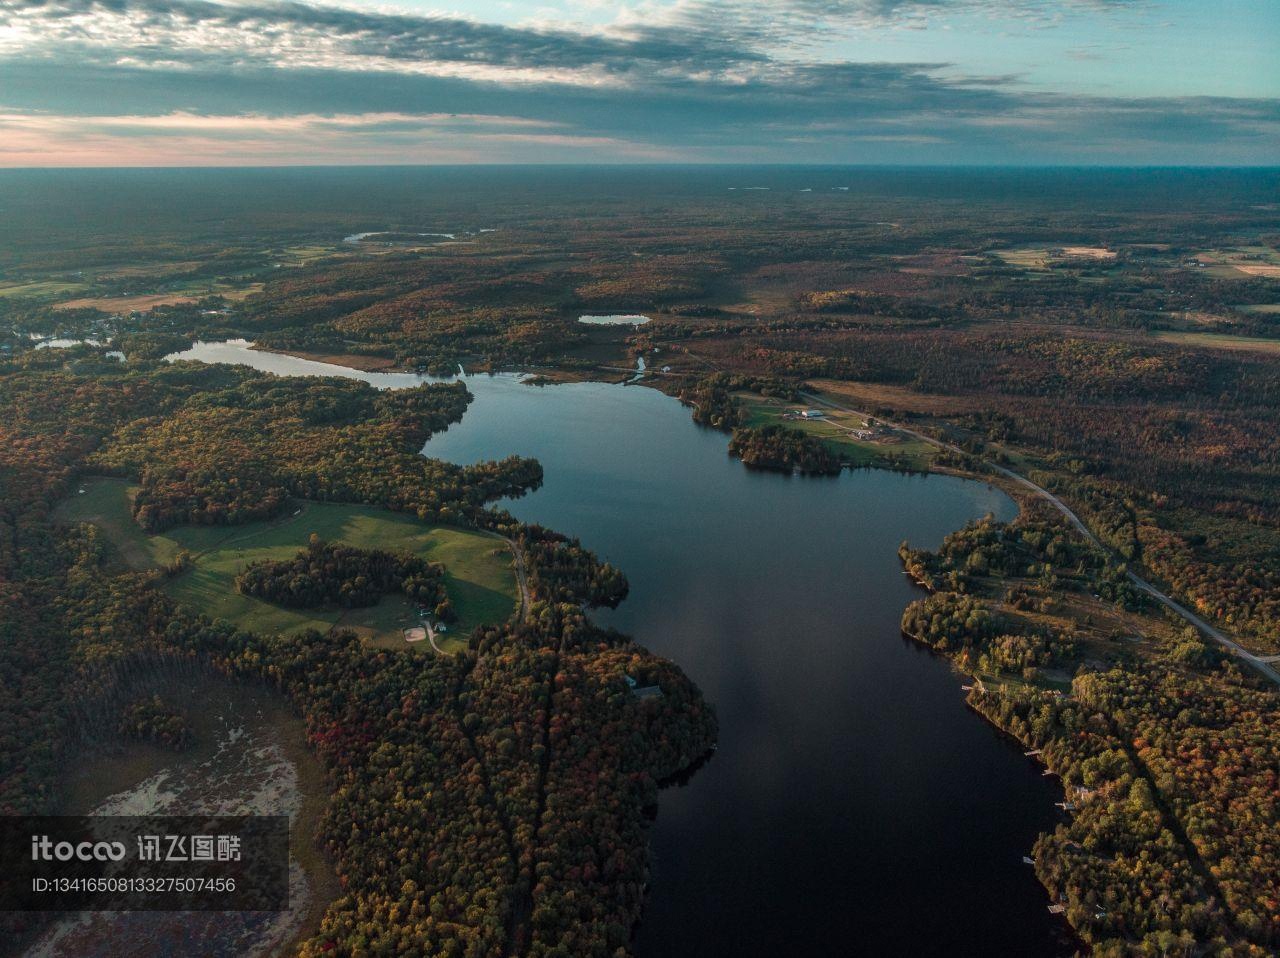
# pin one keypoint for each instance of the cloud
(197, 33)
(684, 38)
(288, 82)
(186, 139)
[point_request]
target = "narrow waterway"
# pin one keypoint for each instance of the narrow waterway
(855, 806)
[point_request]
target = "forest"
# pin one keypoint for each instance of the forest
(155, 720)
(330, 573)
(1140, 383)
(467, 812)
(1169, 761)
(782, 449)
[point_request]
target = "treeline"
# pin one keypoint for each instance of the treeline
(1169, 764)
(713, 402)
(983, 640)
(154, 720)
(983, 360)
(782, 449)
(1172, 779)
(235, 454)
(330, 573)
(1041, 549)
(562, 570)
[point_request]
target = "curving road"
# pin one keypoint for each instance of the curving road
(1259, 663)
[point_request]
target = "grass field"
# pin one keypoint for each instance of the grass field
(145, 302)
(479, 578)
(1221, 341)
(304, 255)
(42, 290)
(1041, 257)
(833, 429)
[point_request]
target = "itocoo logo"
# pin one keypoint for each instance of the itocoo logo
(45, 850)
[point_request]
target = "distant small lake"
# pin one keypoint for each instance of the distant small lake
(66, 343)
(855, 805)
(401, 237)
(615, 319)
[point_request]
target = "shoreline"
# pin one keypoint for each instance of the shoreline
(1021, 496)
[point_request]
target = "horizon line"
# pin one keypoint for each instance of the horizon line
(614, 164)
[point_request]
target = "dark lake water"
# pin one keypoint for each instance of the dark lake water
(855, 806)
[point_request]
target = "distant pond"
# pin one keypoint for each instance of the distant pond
(855, 805)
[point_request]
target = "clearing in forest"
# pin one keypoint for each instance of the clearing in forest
(479, 577)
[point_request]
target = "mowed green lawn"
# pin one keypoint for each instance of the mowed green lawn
(832, 429)
(40, 290)
(479, 576)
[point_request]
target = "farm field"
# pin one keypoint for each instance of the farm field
(145, 302)
(1241, 262)
(126, 304)
(1041, 257)
(479, 579)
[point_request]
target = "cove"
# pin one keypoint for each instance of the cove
(855, 806)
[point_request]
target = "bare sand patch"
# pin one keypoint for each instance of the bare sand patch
(367, 364)
(126, 304)
(1091, 252)
(1259, 269)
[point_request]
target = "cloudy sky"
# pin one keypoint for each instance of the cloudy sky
(256, 82)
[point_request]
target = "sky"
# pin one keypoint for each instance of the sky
(1003, 82)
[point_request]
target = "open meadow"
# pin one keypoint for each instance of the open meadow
(478, 578)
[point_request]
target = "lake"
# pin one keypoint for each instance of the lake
(855, 805)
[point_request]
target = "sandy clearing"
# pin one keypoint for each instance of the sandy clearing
(126, 304)
(1259, 269)
(872, 395)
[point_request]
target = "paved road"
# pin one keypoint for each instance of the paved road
(1261, 664)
